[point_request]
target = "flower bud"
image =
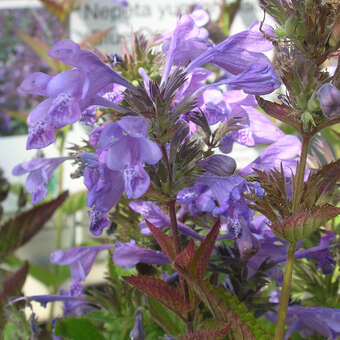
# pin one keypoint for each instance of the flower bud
(137, 332)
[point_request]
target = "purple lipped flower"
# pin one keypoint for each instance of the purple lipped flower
(329, 97)
(257, 79)
(236, 53)
(196, 199)
(261, 129)
(98, 221)
(310, 321)
(136, 180)
(80, 259)
(127, 144)
(124, 147)
(104, 185)
(283, 151)
(40, 171)
(186, 42)
(151, 212)
(129, 254)
(70, 53)
(35, 83)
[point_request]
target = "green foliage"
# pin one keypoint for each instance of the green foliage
(313, 288)
(74, 202)
(78, 329)
(17, 327)
(168, 320)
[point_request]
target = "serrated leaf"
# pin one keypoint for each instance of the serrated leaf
(41, 50)
(17, 231)
(226, 308)
(95, 38)
(201, 256)
(77, 329)
(184, 258)
(168, 320)
(161, 292)
(164, 241)
(74, 202)
(298, 226)
(281, 112)
(206, 334)
(320, 183)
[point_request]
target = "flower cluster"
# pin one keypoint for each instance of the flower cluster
(158, 156)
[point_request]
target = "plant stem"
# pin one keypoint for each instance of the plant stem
(300, 173)
(287, 281)
(176, 238)
(285, 292)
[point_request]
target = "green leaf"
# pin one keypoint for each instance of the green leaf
(168, 320)
(298, 226)
(9, 331)
(47, 277)
(78, 329)
(74, 203)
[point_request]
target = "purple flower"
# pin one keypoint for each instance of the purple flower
(124, 147)
(40, 171)
(129, 254)
(69, 92)
(35, 83)
(137, 333)
(151, 212)
(283, 151)
(104, 185)
(311, 320)
(80, 259)
(236, 53)
(186, 42)
(98, 73)
(329, 97)
(198, 198)
(257, 79)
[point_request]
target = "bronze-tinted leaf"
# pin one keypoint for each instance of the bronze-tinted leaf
(95, 38)
(206, 334)
(202, 254)
(164, 241)
(11, 287)
(17, 231)
(184, 258)
(281, 112)
(160, 291)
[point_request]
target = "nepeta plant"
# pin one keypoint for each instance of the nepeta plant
(221, 232)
